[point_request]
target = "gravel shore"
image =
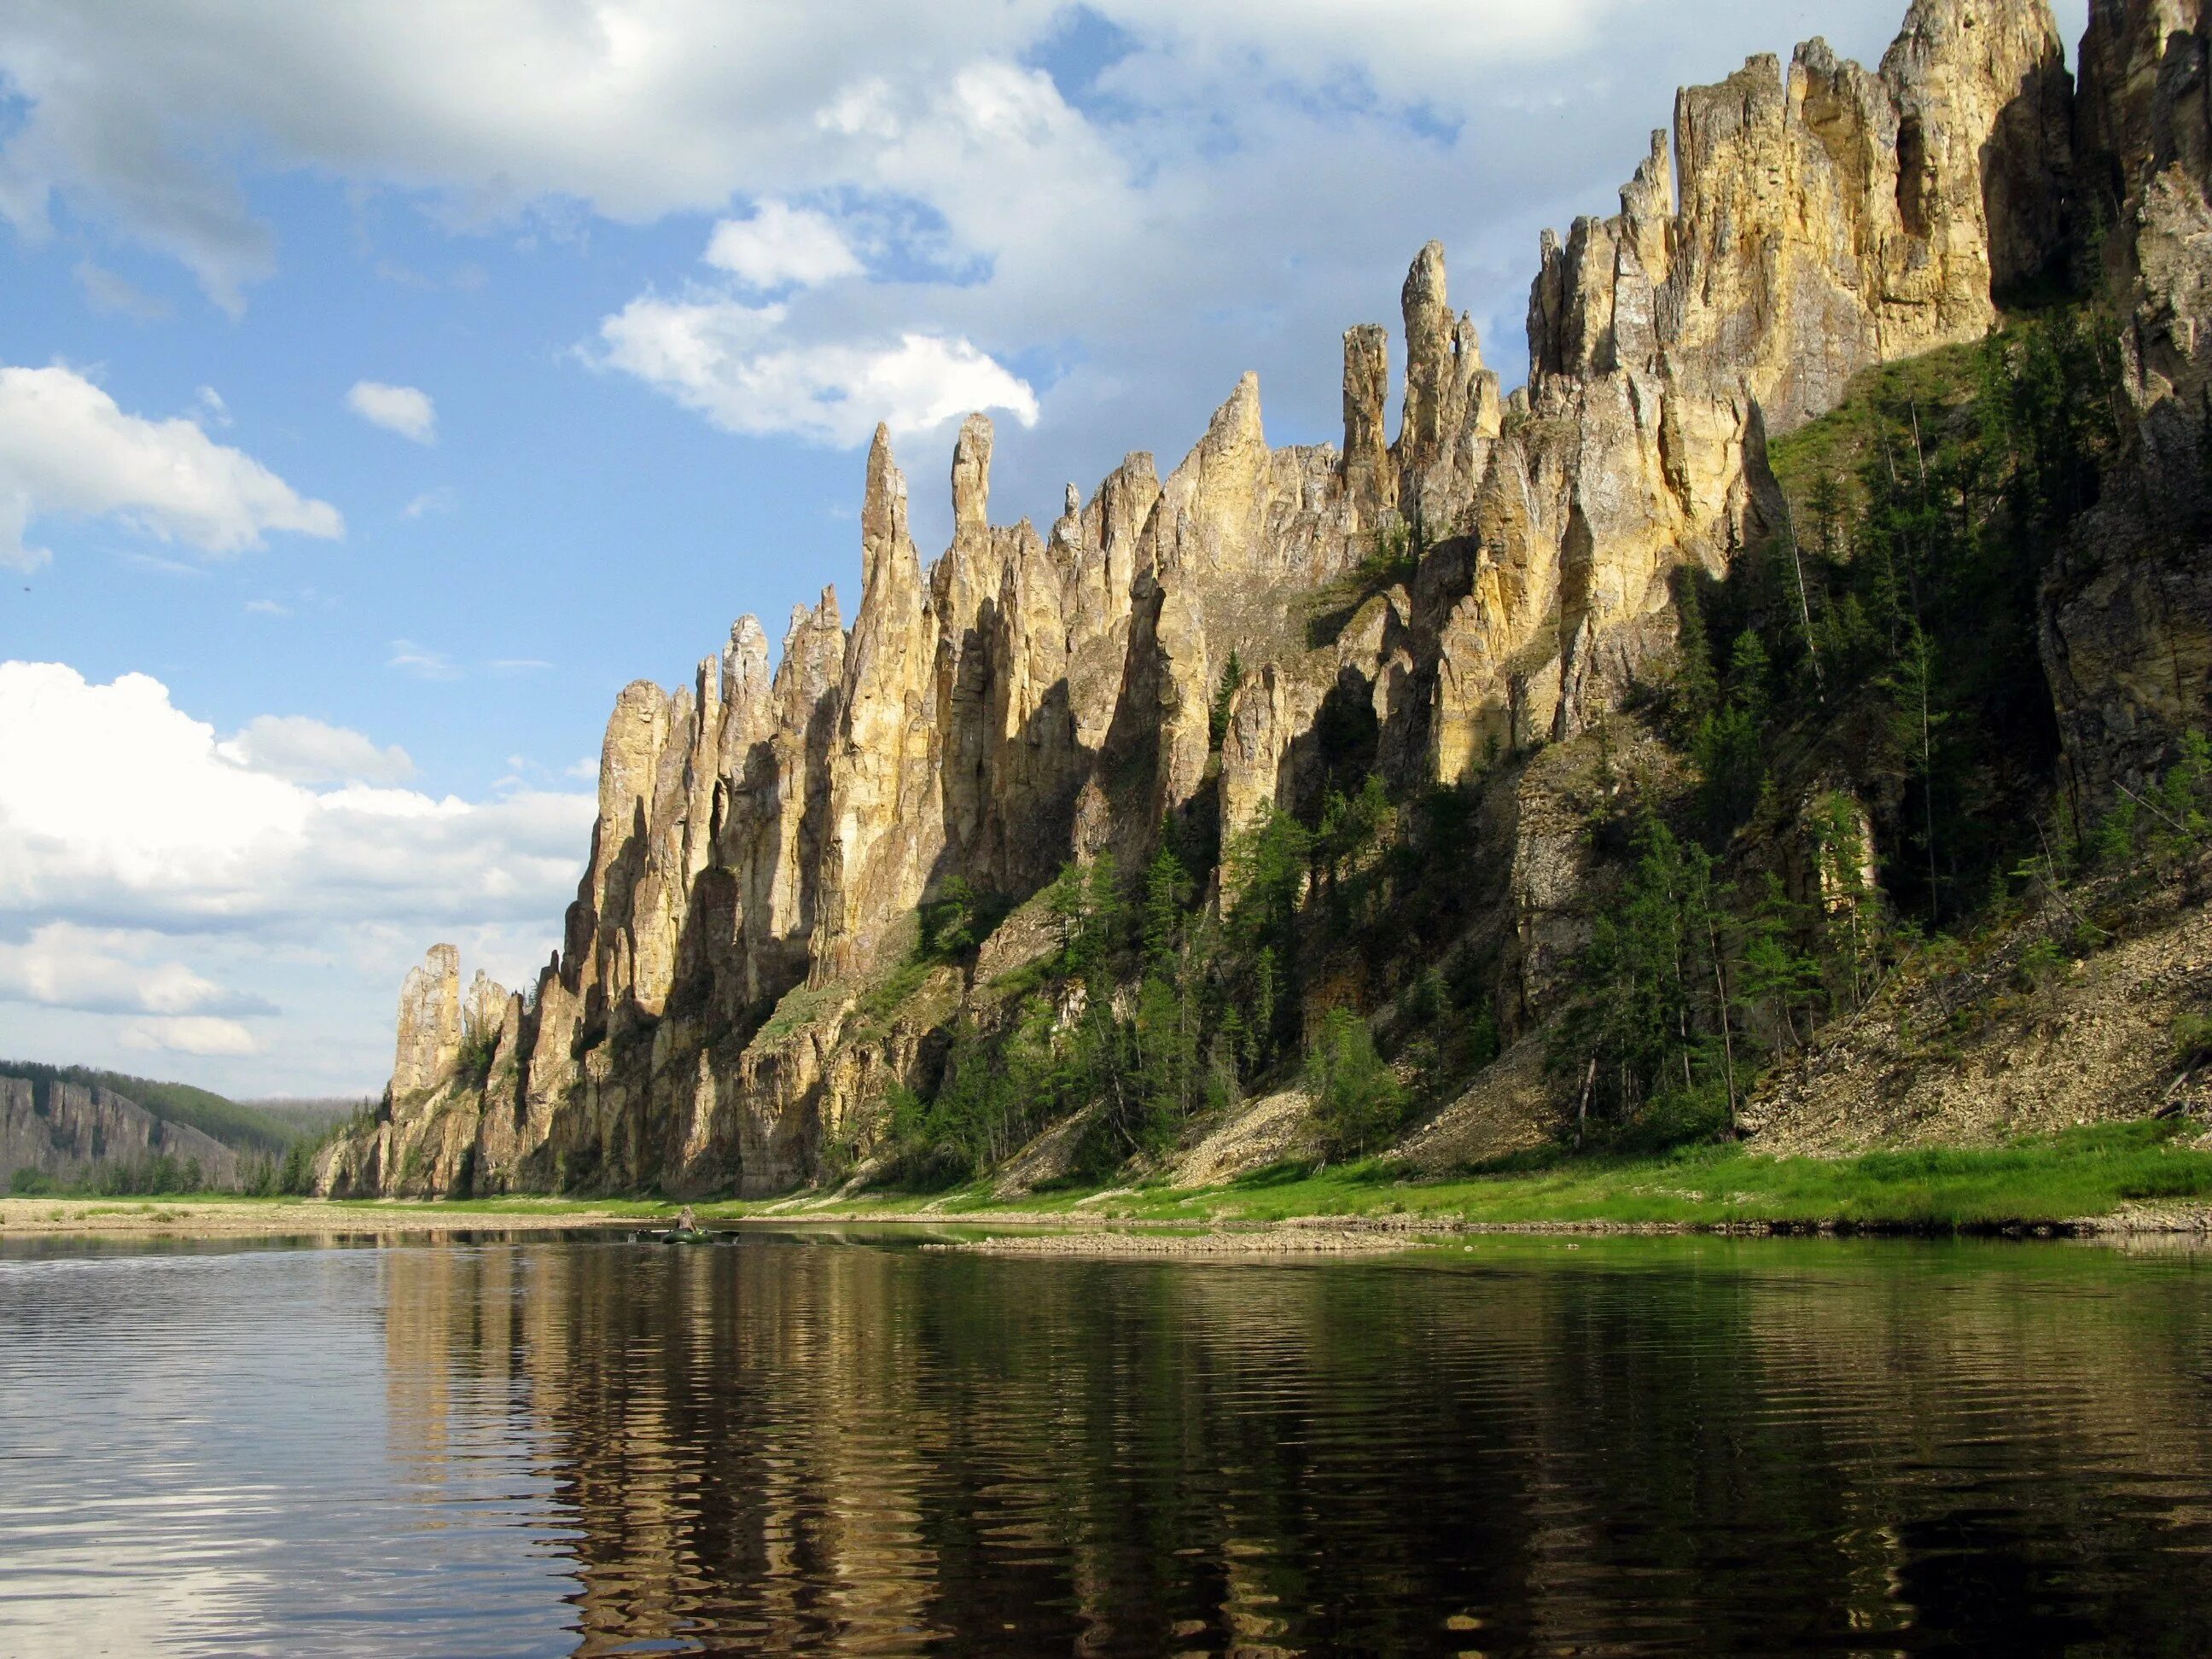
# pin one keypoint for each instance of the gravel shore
(23, 1218)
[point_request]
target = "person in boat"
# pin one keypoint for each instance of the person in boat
(684, 1221)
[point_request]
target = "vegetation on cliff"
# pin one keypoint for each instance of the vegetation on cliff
(1783, 704)
(1862, 695)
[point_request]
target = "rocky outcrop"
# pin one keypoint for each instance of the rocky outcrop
(1494, 578)
(67, 1131)
(2128, 608)
(429, 1023)
(1802, 228)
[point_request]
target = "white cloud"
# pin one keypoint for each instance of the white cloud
(195, 1034)
(780, 244)
(442, 500)
(304, 750)
(720, 357)
(404, 409)
(1148, 197)
(65, 447)
(267, 608)
(160, 897)
(118, 810)
(104, 971)
(420, 662)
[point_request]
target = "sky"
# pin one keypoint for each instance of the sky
(385, 383)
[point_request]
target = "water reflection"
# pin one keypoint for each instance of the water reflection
(808, 1445)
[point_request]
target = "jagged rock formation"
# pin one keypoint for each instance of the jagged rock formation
(2127, 635)
(65, 1131)
(764, 839)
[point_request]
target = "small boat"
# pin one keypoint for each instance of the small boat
(682, 1236)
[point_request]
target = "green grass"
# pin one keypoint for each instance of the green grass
(1840, 442)
(2083, 1172)
(802, 1005)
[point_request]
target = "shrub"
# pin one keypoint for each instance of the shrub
(1678, 1117)
(2192, 1040)
(2036, 964)
(1357, 1101)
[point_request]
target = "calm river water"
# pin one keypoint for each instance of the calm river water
(844, 1444)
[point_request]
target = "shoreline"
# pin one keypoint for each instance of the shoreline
(1059, 1233)
(202, 1217)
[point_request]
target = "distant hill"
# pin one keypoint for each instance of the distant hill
(304, 1117)
(263, 1129)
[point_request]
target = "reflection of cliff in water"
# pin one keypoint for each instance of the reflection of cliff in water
(1706, 1447)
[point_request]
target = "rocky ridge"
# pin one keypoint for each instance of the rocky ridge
(765, 836)
(64, 1131)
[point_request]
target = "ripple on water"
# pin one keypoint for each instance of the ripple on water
(555, 1446)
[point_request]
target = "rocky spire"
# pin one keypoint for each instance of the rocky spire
(890, 570)
(483, 1011)
(1428, 357)
(971, 479)
(1370, 478)
(884, 816)
(966, 580)
(745, 678)
(1984, 134)
(429, 1045)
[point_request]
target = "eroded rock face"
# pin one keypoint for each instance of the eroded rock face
(65, 1131)
(429, 1023)
(2127, 637)
(1823, 220)
(764, 839)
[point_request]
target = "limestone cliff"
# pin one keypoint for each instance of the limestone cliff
(67, 1131)
(1495, 578)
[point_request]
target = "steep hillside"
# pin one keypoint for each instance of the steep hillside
(1566, 766)
(307, 1117)
(243, 1127)
(60, 1131)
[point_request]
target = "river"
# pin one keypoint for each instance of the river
(838, 1443)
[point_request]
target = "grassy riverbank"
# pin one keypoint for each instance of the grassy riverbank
(2097, 1172)
(2089, 1172)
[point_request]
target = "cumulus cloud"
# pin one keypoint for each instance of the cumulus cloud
(780, 245)
(724, 359)
(65, 447)
(304, 750)
(107, 970)
(119, 809)
(404, 409)
(1116, 207)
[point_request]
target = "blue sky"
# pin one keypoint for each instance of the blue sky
(387, 385)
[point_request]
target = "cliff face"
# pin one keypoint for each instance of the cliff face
(2127, 643)
(64, 1130)
(764, 838)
